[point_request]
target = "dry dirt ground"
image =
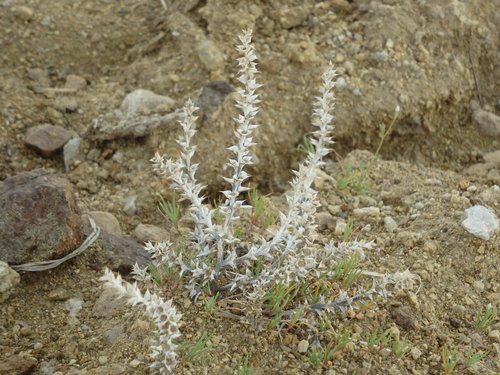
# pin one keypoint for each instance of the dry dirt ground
(432, 58)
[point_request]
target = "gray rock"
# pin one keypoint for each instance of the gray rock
(304, 52)
(47, 139)
(110, 369)
(491, 194)
(478, 169)
(145, 102)
(325, 219)
(23, 13)
(349, 67)
(290, 17)
(494, 335)
(129, 206)
(107, 222)
(70, 151)
(40, 77)
(115, 124)
(73, 305)
(390, 224)
(341, 83)
(66, 104)
(59, 294)
(8, 281)
(366, 201)
(75, 82)
(211, 98)
(108, 303)
(366, 211)
(433, 182)
(209, 55)
(114, 334)
(323, 180)
(380, 56)
(340, 227)
(481, 222)
(493, 176)
(303, 346)
(48, 368)
(119, 253)
(39, 218)
(487, 123)
(190, 37)
(492, 158)
(341, 6)
(152, 233)
(46, 21)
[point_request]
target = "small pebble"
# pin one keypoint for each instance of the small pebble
(26, 331)
(134, 363)
(433, 182)
(430, 247)
(103, 359)
(303, 346)
(341, 83)
(366, 228)
(395, 332)
(129, 206)
(459, 309)
(366, 211)
(340, 227)
(75, 82)
(366, 201)
(494, 335)
(70, 151)
(403, 317)
(325, 219)
(415, 353)
(390, 224)
(412, 298)
(478, 285)
(24, 13)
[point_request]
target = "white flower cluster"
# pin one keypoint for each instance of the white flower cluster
(164, 314)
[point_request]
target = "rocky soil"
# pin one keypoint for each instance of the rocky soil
(71, 64)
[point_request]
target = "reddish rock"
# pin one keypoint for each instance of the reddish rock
(404, 318)
(39, 218)
(47, 139)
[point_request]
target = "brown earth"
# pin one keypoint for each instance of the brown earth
(432, 58)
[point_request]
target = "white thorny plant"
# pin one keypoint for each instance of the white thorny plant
(216, 259)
